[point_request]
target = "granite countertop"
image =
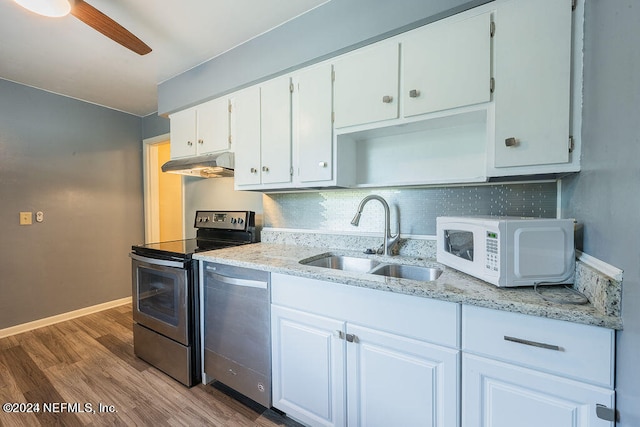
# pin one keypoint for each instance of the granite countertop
(452, 285)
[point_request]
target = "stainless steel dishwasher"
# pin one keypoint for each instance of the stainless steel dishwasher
(237, 331)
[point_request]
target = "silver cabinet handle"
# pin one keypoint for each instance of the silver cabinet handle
(201, 141)
(351, 338)
(265, 169)
(511, 142)
(533, 343)
(387, 99)
(322, 164)
(189, 143)
(414, 93)
(253, 170)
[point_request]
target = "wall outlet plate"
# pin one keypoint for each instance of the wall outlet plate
(39, 216)
(26, 218)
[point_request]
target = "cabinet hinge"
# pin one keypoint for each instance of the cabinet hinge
(606, 413)
(230, 138)
(492, 29)
(333, 117)
(571, 144)
(574, 4)
(333, 75)
(291, 170)
(291, 87)
(492, 84)
(230, 107)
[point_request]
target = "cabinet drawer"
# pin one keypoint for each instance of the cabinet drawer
(568, 349)
(424, 319)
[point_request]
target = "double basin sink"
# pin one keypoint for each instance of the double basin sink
(371, 266)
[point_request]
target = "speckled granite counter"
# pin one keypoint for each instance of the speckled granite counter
(452, 285)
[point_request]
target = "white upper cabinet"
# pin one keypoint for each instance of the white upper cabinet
(533, 78)
(313, 138)
(201, 130)
(246, 125)
(262, 129)
(366, 85)
(447, 65)
(275, 124)
(183, 133)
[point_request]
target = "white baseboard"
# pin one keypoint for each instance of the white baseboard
(13, 330)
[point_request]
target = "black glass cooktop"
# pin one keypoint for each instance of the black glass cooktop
(181, 249)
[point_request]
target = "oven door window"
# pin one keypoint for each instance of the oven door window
(459, 243)
(159, 295)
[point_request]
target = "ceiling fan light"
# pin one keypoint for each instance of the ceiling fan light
(50, 8)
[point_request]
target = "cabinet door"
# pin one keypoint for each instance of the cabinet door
(213, 126)
(366, 85)
(532, 90)
(275, 119)
(447, 65)
(314, 140)
(393, 380)
(183, 133)
(246, 131)
(308, 366)
(496, 394)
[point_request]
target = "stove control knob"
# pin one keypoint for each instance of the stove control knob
(233, 220)
(240, 220)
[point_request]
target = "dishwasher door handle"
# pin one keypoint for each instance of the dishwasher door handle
(236, 281)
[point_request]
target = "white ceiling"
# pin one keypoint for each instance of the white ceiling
(65, 56)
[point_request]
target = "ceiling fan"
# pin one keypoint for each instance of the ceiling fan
(90, 16)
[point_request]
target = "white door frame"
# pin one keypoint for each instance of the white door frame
(150, 187)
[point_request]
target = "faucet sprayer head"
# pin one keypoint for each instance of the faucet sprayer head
(356, 219)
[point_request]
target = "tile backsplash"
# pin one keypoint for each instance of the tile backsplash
(332, 210)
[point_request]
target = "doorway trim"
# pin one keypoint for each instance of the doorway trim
(150, 187)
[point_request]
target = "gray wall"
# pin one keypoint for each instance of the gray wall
(335, 27)
(154, 125)
(81, 165)
(606, 193)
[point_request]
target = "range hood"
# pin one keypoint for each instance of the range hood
(207, 166)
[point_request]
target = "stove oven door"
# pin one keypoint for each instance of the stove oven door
(161, 295)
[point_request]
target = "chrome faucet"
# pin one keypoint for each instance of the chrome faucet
(389, 240)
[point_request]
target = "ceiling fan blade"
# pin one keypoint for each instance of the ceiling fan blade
(107, 26)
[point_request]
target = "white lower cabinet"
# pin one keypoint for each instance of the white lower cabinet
(308, 366)
(329, 369)
(350, 356)
(497, 394)
(397, 381)
(527, 371)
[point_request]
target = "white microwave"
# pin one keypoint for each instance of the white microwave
(508, 251)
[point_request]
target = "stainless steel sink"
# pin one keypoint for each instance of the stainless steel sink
(365, 265)
(412, 272)
(346, 263)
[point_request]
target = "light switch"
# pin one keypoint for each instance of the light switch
(26, 218)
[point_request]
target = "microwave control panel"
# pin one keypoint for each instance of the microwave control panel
(493, 260)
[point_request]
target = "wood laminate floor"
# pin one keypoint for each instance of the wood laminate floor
(81, 364)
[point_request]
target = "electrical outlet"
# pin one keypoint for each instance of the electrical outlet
(39, 216)
(26, 218)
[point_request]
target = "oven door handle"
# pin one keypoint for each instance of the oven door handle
(155, 261)
(236, 281)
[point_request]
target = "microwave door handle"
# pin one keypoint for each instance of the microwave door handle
(154, 261)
